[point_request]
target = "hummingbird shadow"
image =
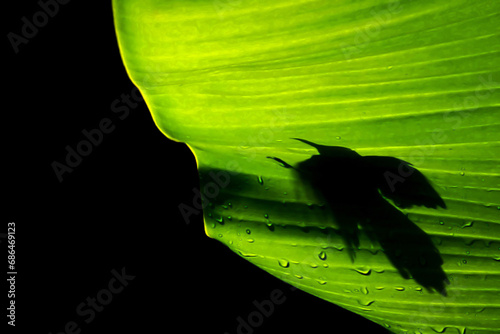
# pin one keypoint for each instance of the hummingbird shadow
(358, 190)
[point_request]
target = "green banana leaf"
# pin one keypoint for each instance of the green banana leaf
(239, 81)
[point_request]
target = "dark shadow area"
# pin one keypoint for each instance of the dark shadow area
(357, 189)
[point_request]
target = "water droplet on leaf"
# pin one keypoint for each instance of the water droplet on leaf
(468, 224)
(365, 302)
(284, 263)
(364, 271)
(247, 254)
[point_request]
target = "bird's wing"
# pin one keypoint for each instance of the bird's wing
(399, 181)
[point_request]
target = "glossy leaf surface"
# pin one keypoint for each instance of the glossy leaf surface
(412, 81)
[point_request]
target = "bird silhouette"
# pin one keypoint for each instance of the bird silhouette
(358, 190)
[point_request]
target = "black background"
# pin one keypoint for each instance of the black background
(119, 207)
